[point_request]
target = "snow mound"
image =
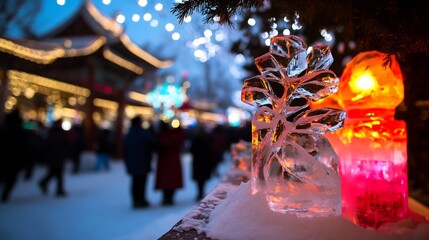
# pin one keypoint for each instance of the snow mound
(242, 215)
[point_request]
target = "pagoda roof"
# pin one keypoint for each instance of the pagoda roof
(84, 34)
(89, 21)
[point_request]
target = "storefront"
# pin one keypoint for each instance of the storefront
(81, 74)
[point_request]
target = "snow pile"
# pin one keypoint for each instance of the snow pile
(197, 219)
(242, 215)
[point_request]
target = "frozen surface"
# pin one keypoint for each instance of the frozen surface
(245, 216)
(98, 207)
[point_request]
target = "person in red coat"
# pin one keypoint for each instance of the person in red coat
(169, 176)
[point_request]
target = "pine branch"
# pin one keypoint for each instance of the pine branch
(395, 27)
(223, 10)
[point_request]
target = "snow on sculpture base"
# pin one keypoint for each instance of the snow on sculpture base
(242, 215)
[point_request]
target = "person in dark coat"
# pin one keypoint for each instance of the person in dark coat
(103, 149)
(35, 146)
(138, 147)
(169, 176)
(13, 152)
(56, 151)
(201, 161)
(218, 147)
(77, 144)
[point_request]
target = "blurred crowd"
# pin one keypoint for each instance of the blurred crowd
(146, 147)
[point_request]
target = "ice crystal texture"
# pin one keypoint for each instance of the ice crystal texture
(241, 154)
(292, 163)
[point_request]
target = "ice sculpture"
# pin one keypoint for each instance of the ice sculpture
(292, 163)
(374, 163)
(241, 154)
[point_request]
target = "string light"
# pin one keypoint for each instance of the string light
(120, 18)
(27, 78)
(175, 36)
(286, 32)
(147, 17)
(34, 55)
(154, 23)
(327, 36)
(136, 50)
(175, 123)
(169, 27)
(159, 7)
(109, 55)
(208, 33)
(142, 3)
(84, 51)
(135, 17)
(251, 21)
(48, 56)
(137, 96)
(131, 111)
(103, 103)
(61, 2)
(187, 19)
(107, 23)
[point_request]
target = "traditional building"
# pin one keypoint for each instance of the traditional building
(80, 71)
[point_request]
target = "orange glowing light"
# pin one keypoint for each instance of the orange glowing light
(373, 160)
(363, 82)
(366, 82)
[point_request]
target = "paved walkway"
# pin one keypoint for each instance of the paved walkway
(97, 207)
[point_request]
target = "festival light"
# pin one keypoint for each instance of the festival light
(142, 3)
(136, 50)
(132, 111)
(147, 17)
(135, 17)
(114, 58)
(103, 103)
(373, 161)
(31, 54)
(175, 36)
(87, 50)
(26, 79)
(158, 7)
(187, 19)
(107, 23)
(137, 96)
(48, 56)
(120, 18)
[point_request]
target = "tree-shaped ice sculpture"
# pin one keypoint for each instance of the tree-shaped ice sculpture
(292, 163)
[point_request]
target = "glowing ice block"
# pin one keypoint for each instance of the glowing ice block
(373, 161)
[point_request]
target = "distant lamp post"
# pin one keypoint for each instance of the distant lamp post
(373, 161)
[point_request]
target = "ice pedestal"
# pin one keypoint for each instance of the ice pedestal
(293, 165)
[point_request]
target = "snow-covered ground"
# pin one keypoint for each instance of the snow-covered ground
(98, 206)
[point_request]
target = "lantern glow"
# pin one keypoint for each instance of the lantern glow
(373, 161)
(363, 83)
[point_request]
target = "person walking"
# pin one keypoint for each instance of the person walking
(103, 149)
(201, 161)
(218, 147)
(77, 144)
(169, 176)
(13, 152)
(56, 151)
(138, 147)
